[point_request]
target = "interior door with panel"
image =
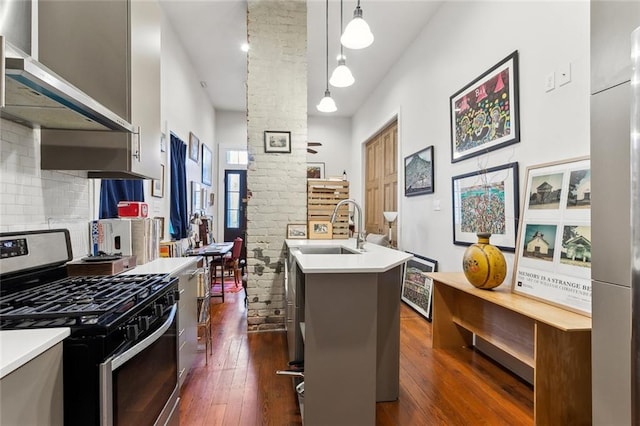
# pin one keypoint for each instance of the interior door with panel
(235, 206)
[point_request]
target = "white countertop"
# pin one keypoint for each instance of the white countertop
(17, 347)
(374, 259)
(163, 265)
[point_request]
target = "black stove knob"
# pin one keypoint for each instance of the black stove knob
(144, 322)
(171, 298)
(132, 332)
(158, 309)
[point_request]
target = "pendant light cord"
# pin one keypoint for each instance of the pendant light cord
(341, 54)
(326, 20)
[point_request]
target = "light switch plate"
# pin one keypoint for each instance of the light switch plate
(550, 82)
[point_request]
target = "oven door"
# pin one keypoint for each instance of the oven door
(140, 386)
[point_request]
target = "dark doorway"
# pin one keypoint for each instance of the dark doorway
(235, 206)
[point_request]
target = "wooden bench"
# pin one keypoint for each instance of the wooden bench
(555, 342)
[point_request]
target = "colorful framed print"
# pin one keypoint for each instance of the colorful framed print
(486, 201)
(277, 141)
(315, 170)
(553, 254)
(194, 147)
(485, 113)
(417, 287)
(418, 173)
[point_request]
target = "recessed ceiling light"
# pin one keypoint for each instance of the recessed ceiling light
(244, 47)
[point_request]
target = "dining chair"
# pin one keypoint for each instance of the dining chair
(232, 260)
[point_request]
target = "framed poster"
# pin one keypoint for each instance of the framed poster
(277, 141)
(418, 173)
(196, 203)
(486, 201)
(417, 287)
(206, 165)
(553, 254)
(485, 114)
(194, 147)
(320, 230)
(315, 170)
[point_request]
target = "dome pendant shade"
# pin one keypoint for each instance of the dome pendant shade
(341, 76)
(327, 103)
(357, 35)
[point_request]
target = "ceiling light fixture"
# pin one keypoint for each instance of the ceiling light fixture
(357, 35)
(341, 76)
(327, 104)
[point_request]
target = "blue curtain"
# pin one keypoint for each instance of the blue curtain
(112, 191)
(179, 218)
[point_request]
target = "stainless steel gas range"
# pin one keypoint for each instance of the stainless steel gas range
(120, 361)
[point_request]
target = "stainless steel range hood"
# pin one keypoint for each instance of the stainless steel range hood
(38, 97)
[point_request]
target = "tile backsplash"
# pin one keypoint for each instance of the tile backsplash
(31, 198)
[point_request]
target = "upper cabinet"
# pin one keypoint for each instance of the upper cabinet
(111, 50)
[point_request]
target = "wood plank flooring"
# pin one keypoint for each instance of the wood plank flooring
(437, 387)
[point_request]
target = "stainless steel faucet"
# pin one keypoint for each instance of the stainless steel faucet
(361, 233)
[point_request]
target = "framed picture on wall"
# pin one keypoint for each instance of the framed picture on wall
(486, 201)
(320, 230)
(277, 141)
(315, 170)
(206, 165)
(196, 203)
(157, 185)
(484, 113)
(418, 173)
(296, 231)
(194, 147)
(417, 287)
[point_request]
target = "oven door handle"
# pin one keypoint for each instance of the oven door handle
(119, 360)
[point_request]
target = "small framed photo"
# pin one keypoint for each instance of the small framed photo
(157, 185)
(418, 173)
(315, 170)
(320, 230)
(297, 231)
(417, 287)
(277, 141)
(206, 165)
(194, 147)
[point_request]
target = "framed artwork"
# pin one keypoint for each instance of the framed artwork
(157, 185)
(553, 254)
(206, 165)
(418, 173)
(163, 142)
(486, 201)
(204, 195)
(417, 287)
(315, 170)
(297, 231)
(484, 113)
(160, 222)
(196, 203)
(194, 147)
(320, 230)
(277, 141)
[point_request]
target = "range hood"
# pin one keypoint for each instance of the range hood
(38, 97)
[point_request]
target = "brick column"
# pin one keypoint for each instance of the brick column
(276, 101)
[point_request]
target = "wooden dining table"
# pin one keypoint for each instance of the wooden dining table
(215, 251)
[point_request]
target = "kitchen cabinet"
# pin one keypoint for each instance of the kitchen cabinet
(187, 318)
(111, 50)
(32, 394)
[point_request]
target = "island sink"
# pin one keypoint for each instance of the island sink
(326, 250)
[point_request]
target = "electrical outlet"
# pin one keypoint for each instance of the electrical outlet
(550, 82)
(564, 74)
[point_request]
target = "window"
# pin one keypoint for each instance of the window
(237, 157)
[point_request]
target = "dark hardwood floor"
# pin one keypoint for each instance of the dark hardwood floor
(437, 387)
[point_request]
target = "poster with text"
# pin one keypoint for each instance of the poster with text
(553, 255)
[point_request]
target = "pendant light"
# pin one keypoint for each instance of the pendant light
(327, 104)
(357, 35)
(341, 76)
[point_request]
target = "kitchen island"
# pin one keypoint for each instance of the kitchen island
(348, 304)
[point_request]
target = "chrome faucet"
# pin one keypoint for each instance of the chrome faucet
(361, 233)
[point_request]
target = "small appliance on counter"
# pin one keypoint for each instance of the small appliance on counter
(135, 209)
(127, 236)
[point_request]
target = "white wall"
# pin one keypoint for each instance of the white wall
(334, 133)
(461, 41)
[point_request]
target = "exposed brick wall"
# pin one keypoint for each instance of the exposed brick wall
(277, 101)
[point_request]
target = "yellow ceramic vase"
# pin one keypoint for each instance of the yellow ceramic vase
(483, 264)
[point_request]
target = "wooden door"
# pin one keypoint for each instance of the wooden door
(381, 179)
